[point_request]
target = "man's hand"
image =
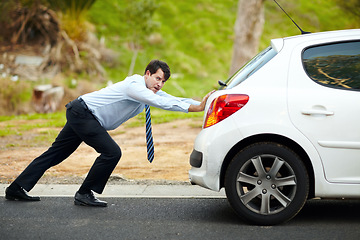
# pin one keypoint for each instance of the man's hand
(199, 108)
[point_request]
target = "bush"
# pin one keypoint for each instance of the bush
(14, 96)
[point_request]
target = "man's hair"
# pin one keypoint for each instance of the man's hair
(154, 65)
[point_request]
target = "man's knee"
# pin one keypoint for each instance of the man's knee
(112, 153)
(115, 153)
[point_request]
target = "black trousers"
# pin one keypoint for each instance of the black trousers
(81, 126)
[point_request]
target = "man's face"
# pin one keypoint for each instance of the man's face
(155, 81)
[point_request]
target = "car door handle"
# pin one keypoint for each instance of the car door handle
(317, 112)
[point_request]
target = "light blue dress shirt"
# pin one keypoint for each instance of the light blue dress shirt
(121, 101)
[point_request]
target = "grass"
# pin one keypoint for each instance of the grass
(57, 119)
(32, 121)
(311, 16)
(8, 131)
(46, 136)
(196, 37)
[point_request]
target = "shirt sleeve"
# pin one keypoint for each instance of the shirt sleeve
(139, 92)
(187, 100)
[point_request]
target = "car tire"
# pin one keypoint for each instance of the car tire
(266, 183)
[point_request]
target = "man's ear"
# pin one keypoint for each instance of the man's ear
(148, 73)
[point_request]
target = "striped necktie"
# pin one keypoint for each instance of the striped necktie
(149, 138)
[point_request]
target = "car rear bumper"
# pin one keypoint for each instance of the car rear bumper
(198, 174)
(196, 159)
(210, 148)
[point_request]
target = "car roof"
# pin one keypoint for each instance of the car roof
(278, 43)
(327, 34)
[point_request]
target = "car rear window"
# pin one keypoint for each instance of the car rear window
(251, 67)
(334, 65)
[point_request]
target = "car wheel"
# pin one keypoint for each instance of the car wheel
(266, 183)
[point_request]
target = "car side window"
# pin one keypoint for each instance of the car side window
(334, 65)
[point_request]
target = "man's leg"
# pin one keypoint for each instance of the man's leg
(93, 134)
(65, 144)
(110, 153)
(101, 170)
(103, 165)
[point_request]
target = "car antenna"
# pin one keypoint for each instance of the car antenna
(302, 32)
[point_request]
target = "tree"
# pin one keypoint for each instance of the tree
(57, 30)
(248, 28)
(140, 22)
(28, 22)
(73, 16)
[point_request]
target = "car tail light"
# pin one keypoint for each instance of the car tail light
(223, 107)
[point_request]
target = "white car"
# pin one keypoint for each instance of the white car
(285, 128)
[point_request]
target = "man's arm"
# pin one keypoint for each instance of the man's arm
(137, 91)
(187, 100)
(199, 108)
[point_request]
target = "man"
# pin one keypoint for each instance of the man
(89, 118)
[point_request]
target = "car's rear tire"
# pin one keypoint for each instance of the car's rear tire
(266, 183)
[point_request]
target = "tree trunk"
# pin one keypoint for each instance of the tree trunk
(248, 28)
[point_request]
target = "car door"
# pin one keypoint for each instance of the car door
(324, 104)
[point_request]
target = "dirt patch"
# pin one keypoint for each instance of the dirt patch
(173, 146)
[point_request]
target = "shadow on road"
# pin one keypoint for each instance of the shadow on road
(330, 211)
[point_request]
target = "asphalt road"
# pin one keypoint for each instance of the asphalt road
(169, 218)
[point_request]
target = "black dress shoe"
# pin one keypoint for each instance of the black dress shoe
(88, 199)
(19, 194)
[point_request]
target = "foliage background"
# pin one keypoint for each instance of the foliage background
(195, 37)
